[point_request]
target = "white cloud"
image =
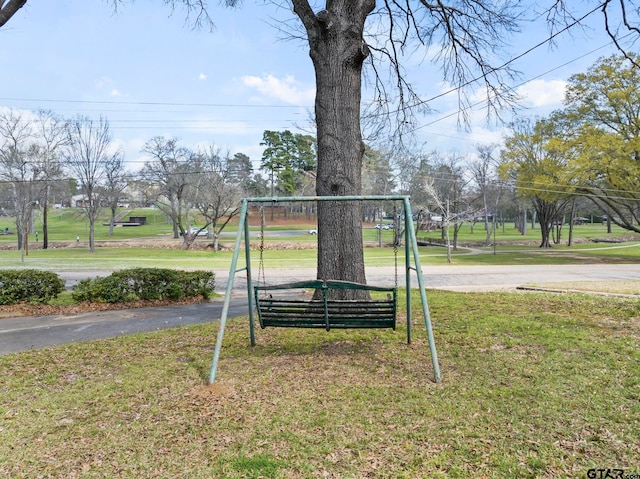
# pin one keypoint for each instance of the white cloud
(538, 97)
(485, 136)
(286, 89)
(106, 84)
(202, 76)
(26, 115)
(543, 93)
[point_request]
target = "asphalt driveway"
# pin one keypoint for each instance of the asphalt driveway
(21, 334)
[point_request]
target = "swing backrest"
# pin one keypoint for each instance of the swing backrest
(326, 313)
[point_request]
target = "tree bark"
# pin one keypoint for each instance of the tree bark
(338, 51)
(112, 220)
(10, 9)
(545, 211)
(45, 225)
(571, 220)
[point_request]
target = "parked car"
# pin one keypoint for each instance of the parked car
(313, 231)
(194, 230)
(384, 226)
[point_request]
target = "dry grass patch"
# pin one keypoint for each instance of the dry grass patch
(26, 309)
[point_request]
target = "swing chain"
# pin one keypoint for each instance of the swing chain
(395, 246)
(261, 273)
(395, 259)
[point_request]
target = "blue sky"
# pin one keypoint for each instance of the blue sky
(151, 74)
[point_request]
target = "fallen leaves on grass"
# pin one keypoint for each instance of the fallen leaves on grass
(23, 309)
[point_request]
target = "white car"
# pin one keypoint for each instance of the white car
(313, 231)
(196, 231)
(385, 226)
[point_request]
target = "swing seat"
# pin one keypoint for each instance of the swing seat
(325, 313)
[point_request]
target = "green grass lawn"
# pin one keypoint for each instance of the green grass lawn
(511, 235)
(66, 224)
(113, 258)
(534, 385)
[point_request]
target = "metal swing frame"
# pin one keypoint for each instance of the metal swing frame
(411, 251)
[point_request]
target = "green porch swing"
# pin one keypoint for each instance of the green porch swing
(323, 311)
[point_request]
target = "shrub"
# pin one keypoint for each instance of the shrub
(29, 286)
(145, 284)
(195, 283)
(152, 283)
(102, 290)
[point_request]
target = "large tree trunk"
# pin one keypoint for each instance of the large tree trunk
(112, 220)
(485, 203)
(338, 51)
(45, 225)
(571, 217)
(545, 212)
(92, 227)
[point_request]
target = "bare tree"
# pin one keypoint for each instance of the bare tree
(17, 169)
(51, 137)
(414, 172)
(441, 206)
(219, 192)
(86, 155)
(448, 184)
(377, 179)
(485, 175)
(115, 182)
(169, 177)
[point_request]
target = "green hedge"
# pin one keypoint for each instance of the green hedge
(29, 286)
(145, 284)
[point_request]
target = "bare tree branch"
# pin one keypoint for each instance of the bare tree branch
(8, 8)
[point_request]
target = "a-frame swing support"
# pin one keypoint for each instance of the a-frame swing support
(411, 246)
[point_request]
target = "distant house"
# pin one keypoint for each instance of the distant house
(79, 201)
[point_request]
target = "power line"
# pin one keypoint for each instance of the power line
(153, 103)
(512, 60)
(244, 105)
(481, 102)
(201, 124)
(249, 106)
(557, 188)
(195, 127)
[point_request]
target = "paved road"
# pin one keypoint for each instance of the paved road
(21, 334)
(28, 333)
(466, 278)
